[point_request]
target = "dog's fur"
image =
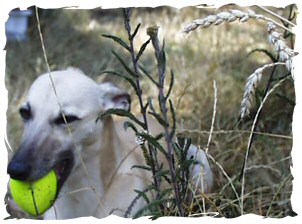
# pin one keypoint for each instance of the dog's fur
(96, 158)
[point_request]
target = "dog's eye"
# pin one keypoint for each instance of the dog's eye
(25, 112)
(69, 119)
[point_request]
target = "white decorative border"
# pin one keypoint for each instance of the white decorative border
(296, 199)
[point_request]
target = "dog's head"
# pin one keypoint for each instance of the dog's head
(47, 141)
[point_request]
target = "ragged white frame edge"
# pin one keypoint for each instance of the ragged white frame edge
(296, 198)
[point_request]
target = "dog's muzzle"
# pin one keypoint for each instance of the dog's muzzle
(20, 168)
(64, 167)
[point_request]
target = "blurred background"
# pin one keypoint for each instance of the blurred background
(73, 37)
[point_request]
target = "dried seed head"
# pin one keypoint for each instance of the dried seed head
(199, 22)
(218, 21)
(224, 15)
(252, 83)
(232, 18)
(249, 91)
(251, 13)
(190, 27)
(152, 31)
(244, 19)
(221, 17)
(285, 53)
(212, 18)
(238, 13)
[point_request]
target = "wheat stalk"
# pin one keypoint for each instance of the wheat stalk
(274, 37)
(250, 87)
(276, 15)
(251, 139)
(229, 16)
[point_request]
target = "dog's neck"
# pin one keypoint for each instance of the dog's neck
(93, 176)
(103, 157)
(110, 152)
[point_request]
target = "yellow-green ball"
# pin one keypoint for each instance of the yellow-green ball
(35, 197)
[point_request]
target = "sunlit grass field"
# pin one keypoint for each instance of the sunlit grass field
(219, 53)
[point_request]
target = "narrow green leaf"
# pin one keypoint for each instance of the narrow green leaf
(171, 85)
(146, 156)
(144, 109)
(118, 40)
(159, 119)
(128, 124)
(127, 78)
(156, 214)
(181, 140)
(122, 113)
(149, 76)
(143, 195)
(135, 31)
(152, 141)
(172, 133)
(165, 192)
(124, 64)
(265, 51)
(187, 146)
(161, 173)
(151, 104)
(141, 167)
(162, 62)
(149, 207)
(159, 136)
(142, 49)
(177, 150)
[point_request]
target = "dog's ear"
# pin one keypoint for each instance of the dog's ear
(114, 97)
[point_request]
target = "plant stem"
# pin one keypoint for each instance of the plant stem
(276, 15)
(252, 137)
(160, 57)
(154, 166)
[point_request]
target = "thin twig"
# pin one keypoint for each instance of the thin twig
(160, 57)
(276, 15)
(182, 95)
(154, 167)
(227, 176)
(267, 167)
(211, 130)
(188, 131)
(75, 191)
(279, 25)
(63, 115)
(213, 116)
(119, 166)
(242, 176)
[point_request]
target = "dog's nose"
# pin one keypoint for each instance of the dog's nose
(18, 170)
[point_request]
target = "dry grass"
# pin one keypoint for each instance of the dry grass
(73, 38)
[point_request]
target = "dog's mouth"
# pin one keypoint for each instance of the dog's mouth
(63, 168)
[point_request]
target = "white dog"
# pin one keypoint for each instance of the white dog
(92, 160)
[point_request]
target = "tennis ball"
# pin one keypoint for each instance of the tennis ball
(35, 197)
